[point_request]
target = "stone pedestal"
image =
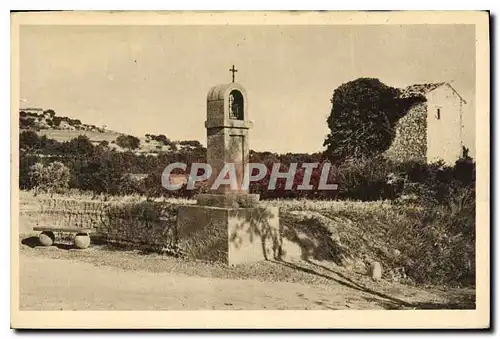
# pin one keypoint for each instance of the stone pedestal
(229, 235)
(228, 200)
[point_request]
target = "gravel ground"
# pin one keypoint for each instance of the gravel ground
(99, 279)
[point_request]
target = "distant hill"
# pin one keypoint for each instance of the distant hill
(46, 123)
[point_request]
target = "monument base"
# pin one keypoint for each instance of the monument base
(228, 200)
(229, 235)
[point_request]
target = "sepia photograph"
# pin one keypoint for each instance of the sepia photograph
(252, 161)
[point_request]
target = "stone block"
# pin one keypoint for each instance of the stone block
(229, 200)
(229, 235)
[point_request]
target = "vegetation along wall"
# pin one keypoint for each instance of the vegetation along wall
(410, 141)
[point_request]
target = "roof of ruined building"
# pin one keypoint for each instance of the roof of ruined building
(424, 89)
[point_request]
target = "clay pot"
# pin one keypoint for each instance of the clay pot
(46, 238)
(82, 240)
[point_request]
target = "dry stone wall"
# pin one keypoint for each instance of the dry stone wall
(410, 142)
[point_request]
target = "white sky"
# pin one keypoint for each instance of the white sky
(154, 79)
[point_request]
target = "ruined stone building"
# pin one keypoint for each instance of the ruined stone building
(431, 130)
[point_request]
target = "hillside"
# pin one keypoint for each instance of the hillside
(46, 123)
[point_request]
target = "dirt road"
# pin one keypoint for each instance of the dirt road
(57, 279)
(54, 284)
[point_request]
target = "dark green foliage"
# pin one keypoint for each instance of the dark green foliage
(51, 112)
(383, 179)
(80, 145)
(193, 143)
(104, 144)
(128, 142)
(29, 140)
(367, 179)
(439, 245)
(73, 122)
(364, 113)
(161, 138)
(56, 121)
(26, 161)
(26, 122)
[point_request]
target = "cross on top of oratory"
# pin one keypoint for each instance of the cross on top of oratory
(233, 70)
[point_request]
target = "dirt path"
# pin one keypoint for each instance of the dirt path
(99, 279)
(55, 284)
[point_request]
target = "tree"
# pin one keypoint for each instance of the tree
(80, 145)
(50, 112)
(192, 143)
(29, 139)
(163, 139)
(362, 119)
(26, 123)
(128, 141)
(104, 144)
(56, 121)
(26, 160)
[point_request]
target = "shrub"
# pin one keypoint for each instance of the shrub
(380, 178)
(26, 161)
(51, 177)
(192, 143)
(26, 122)
(104, 144)
(128, 141)
(56, 121)
(280, 191)
(29, 140)
(78, 146)
(367, 179)
(438, 244)
(50, 112)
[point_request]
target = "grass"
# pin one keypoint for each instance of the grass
(79, 196)
(66, 135)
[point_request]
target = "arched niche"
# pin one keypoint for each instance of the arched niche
(236, 105)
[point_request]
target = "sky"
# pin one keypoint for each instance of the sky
(154, 79)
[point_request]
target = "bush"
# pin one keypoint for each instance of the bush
(51, 177)
(380, 178)
(437, 243)
(29, 140)
(26, 122)
(280, 191)
(56, 121)
(26, 161)
(78, 146)
(50, 112)
(128, 142)
(192, 143)
(367, 179)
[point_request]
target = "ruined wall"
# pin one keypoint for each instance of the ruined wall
(146, 225)
(410, 142)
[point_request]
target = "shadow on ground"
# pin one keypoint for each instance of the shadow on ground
(384, 300)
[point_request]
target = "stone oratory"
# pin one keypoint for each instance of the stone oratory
(227, 224)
